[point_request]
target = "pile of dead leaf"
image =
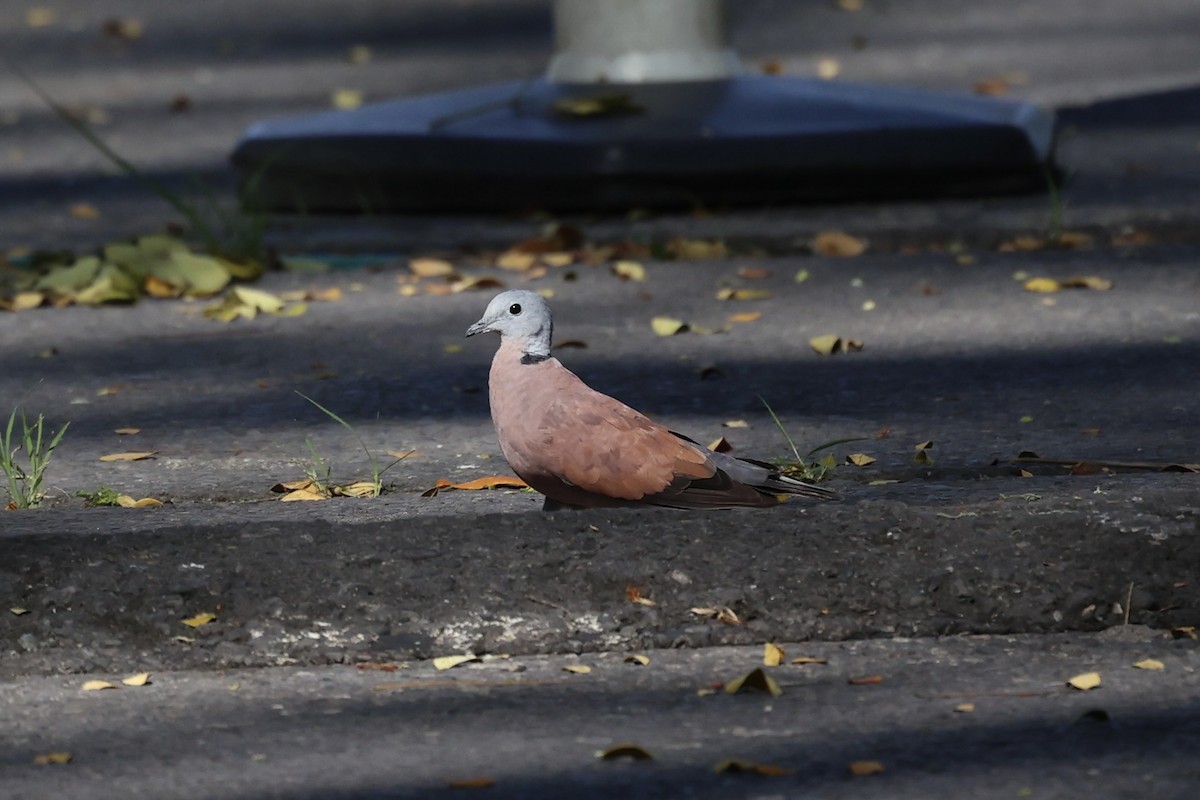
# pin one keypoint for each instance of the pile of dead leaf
(122, 272)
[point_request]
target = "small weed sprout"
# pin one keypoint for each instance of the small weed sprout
(317, 463)
(24, 457)
(804, 468)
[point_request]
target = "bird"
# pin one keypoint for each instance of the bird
(584, 449)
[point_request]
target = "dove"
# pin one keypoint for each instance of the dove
(583, 449)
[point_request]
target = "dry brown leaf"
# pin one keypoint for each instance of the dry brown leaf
(826, 345)
(355, 489)
(866, 680)
(838, 243)
(516, 261)
(442, 663)
(735, 423)
(695, 249)
(135, 456)
(140, 679)
(570, 344)
(828, 68)
(756, 680)
(475, 283)
(626, 750)
(729, 293)
(577, 669)
(304, 495)
(201, 619)
(629, 270)
(1094, 282)
(52, 758)
(637, 658)
(97, 685)
(922, 455)
(734, 766)
(667, 326)
(40, 17)
(1085, 681)
(993, 87)
(17, 611)
(745, 316)
(1149, 663)
(964, 708)
(125, 501)
(480, 782)
(861, 769)
(157, 287)
(772, 66)
(490, 482)
(753, 273)
(809, 660)
(860, 459)
(330, 295)
(84, 211)
(24, 301)
(633, 593)
(720, 445)
(424, 267)
(377, 666)
(127, 431)
(773, 655)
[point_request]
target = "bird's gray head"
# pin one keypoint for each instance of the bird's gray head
(520, 315)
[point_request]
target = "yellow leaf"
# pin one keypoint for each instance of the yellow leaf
(1085, 681)
(557, 259)
(838, 243)
(85, 211)
(138, 456)
(745, 316)
(1149, 663)
(450, 662)
(809, 660)
(346, 99)
(203, 618)
(52, 758)
(757, 681)
(17, 611)
(40, 17)
(357, 489)
(127, 431)
(735, 423)
(667, 326)
(305, 494)
(964, 708)
(736, 765)
(598, 105)
(481, 782)
(923, 456)
(97, 685)
(860, 459)
(157, 287)
(753, 273)
(826, 345)
(330, 295)
(626, 750)
(720, 445)
(629, 270)
(743, 294)
(801, 276)
(637, 658)
(861, 769)
(1042, 285)
(773, 655)
(125, 501)
(516, 260)
(490, 482)
(140, 679)
(828, 68)
(689, 249)
(577, 669)
(23, 301)
(431, 268)
(474, 283)
(1087, 282)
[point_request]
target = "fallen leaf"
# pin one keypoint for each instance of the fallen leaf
(358, 54)
(826, 345)
(860, 459)
(125, 29)
(633, 751)
(125, 501)
(720, 445)
(577, 669)
(377, 666)
(729, 293)
(809, 660)
(801, 276)
(720, 613)
(633, 593)
(1149, 663)
(993, 87)
(449, 662)
(964, 708)
(667, 326)
(84, 211)
(1094, 282)
(570, 344)
(638, 658)
(745, 316)
(1185, 631)
(52, 758)
(490, 482)
(695, 249)
(922, 455)
(828, 68)
(772, 66)
(755, 681)
(773, 655)
(481, 782)
(97, 685)
(17, 611)
(137, 456)
(1085, 681)
(516, 261)
(838, 243)
(861, 769)
(735, 766)
(629, 271)
(735, 423)
(140, 679)
(474, 283)
(24, 301)
(609, 104)
(753, 273)
(866, 680)
(356, 489)
(201, 619)
(346, 99)
(308, 493)
(40, 17)
(850, 5)
(431, 268)
(127, 431)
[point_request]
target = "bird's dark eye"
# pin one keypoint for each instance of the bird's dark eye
(514, 309)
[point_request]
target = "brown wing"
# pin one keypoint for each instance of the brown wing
(603, 446)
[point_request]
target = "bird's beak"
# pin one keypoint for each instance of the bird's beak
(478, 327)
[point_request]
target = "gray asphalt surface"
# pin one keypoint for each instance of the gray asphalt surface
(956, 352)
